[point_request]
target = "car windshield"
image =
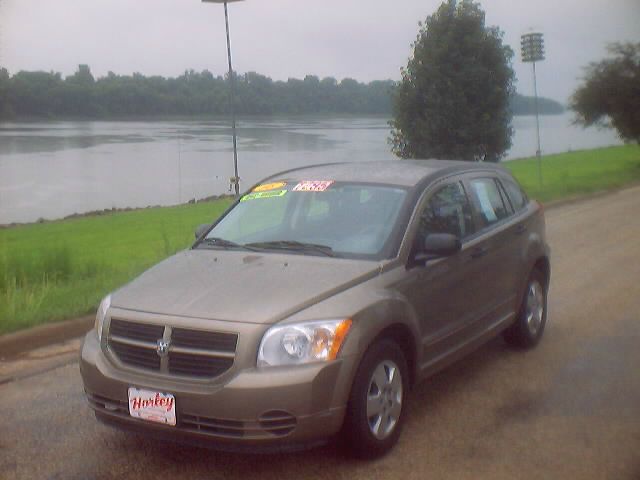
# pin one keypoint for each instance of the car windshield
(314, 218)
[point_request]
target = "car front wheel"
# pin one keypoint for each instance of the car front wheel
(376, 407)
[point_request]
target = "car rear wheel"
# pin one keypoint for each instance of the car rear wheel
(532, 317)
(376, 406)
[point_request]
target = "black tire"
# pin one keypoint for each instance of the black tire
(357, 431)
(525, 333)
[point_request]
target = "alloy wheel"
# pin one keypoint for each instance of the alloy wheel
(384, 399)
(534, 307)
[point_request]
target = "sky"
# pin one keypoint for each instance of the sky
(362, 39)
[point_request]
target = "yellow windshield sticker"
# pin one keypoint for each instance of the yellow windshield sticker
(256, 195)
(312, 186)
(269, 186)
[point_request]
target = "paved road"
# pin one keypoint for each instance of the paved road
(569, 409)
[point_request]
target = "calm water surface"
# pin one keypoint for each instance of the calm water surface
(53, 169)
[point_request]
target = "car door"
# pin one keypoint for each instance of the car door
(494, 249)
(520, 229)
(443, 291)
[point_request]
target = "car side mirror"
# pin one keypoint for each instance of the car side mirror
(202, 229)
(438, 245)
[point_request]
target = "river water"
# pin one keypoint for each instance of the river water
(53, 169)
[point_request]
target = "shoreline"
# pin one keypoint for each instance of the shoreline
(220, 117)
(223, 196)
(108, 211)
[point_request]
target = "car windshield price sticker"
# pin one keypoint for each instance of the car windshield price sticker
(313, 186)
(152, 406)
(269, 186)
(257, 195)
(485, 202)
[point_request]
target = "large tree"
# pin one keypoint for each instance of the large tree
(610, 94)
(453, 100)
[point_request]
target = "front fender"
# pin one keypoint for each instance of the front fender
(389, 317)
(374, 310)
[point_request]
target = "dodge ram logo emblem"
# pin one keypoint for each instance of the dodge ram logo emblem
(162, 348)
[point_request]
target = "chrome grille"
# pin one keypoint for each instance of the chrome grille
(140, 357)
(198, 365)
(223, 342)
(136, 331)
(191, 353)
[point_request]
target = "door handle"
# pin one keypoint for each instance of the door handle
(520, 229)
(479, 252)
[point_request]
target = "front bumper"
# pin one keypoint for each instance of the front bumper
(253, 407)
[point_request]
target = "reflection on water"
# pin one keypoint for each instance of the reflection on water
(52, 169)
(46, 143)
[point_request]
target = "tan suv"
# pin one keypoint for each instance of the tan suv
(316, 301)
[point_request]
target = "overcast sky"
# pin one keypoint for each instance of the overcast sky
(362, 39)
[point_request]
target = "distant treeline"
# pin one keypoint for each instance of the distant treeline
(49, 95)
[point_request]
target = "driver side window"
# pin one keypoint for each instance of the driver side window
(448, 211)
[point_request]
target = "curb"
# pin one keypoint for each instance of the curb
(13, 344)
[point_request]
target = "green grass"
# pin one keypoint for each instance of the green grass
(58, 270)
(578, 173)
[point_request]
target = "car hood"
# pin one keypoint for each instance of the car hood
(240, 286)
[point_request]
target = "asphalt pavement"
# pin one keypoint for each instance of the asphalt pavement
(569, 409)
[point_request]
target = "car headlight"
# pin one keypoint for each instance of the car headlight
(101, 314)
(307, 342)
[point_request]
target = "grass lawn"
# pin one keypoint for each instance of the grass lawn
(578, 173)
(58, 270)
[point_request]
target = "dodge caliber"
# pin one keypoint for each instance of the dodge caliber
(309, 309)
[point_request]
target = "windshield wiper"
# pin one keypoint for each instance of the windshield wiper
(293, 245)
(221, 242)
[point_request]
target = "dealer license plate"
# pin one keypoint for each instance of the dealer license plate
(152, 406)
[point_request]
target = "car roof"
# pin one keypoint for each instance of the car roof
(406, 173)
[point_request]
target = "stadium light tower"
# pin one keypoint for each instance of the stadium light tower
(235, 180)
(533, 51)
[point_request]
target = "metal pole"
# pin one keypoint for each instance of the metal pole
(538, 151)
(233, 107)
(179, 173)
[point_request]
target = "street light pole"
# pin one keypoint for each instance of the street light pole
(235, 180)
(535, 99)
(533, 51)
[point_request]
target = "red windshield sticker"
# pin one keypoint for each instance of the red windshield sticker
(312, 186)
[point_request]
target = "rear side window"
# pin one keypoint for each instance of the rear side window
(490, 204)
(517, 197)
